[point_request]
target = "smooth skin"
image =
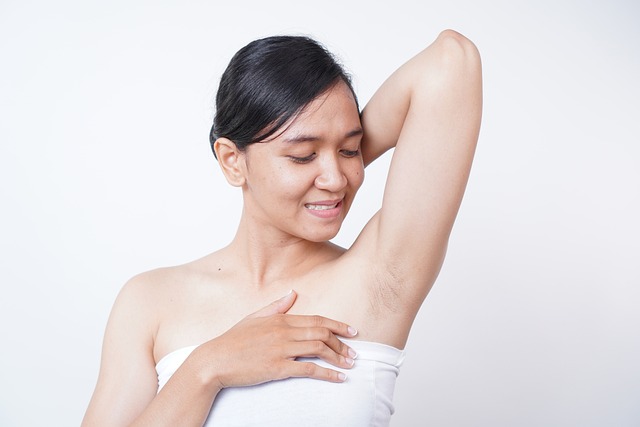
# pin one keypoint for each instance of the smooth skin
(297, 188)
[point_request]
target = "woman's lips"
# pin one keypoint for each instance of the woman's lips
(325, 209)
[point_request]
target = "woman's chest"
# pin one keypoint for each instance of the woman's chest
(201, 312)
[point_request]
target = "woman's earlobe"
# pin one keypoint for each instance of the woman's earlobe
(230, 160)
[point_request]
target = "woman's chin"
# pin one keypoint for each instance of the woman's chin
(322, 235)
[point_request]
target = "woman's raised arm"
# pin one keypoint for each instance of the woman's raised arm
(430, 111)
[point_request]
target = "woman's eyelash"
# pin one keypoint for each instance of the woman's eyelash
(306, 159)
(350, 153)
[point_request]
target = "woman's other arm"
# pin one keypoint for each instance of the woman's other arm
(262, 347)
(430, 111)
(125, 393)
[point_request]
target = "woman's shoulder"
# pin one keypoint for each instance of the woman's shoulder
(166, 278)
(152, 292)
(169, 300)
(142, 296)
(153, 283)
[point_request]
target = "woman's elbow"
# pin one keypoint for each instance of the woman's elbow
(451, 58)
(453, 44)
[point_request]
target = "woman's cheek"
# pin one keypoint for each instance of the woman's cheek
(358, 178)
(295, 183)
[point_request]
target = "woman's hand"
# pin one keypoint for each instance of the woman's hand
(264, 346)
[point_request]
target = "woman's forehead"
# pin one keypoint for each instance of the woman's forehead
(335, 111)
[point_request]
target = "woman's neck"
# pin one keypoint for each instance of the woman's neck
(270, 256)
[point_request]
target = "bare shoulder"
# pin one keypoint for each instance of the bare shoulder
(154, 283)
(152, 298)
(161, 284)
(185, 304)
(143, 295)
(137, 310)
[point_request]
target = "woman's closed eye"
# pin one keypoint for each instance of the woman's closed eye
(350, 153)
(305, 159)
(310, 157)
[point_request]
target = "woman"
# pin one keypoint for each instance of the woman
(288, 132)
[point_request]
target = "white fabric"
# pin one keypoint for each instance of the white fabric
(365, 399)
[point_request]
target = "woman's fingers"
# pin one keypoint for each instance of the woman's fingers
(327, 338)
(336, 327)
(321, 350)
(279, 306)
(318, 328)
(296, 369)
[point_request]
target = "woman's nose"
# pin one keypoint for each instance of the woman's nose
(331, 177)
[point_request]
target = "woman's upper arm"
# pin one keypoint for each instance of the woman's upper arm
(430, 110)
(127, 381)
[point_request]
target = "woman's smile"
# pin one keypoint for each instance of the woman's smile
(326, 209)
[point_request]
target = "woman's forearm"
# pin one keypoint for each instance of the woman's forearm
(185, 399)
(384, 114)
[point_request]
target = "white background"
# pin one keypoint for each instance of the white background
(106, 171)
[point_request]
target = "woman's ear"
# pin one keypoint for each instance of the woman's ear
(231, 161)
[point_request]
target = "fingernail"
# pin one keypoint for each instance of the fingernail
(349, 361)
(352, 353)
(352, 331)
(342, 376)
(288, 293)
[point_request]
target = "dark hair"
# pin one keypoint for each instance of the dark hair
(268, 82)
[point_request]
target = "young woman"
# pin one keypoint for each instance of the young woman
(205, 343)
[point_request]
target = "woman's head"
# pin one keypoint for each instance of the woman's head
(267, 83)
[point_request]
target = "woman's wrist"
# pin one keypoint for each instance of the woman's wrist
(205, 371)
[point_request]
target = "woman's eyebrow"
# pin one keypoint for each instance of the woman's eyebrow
(301, 138)
(355, 132)
(312, 138)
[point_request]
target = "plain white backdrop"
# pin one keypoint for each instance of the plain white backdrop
(106, 171)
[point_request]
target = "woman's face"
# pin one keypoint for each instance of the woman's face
(303, 181)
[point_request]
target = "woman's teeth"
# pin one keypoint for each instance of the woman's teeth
(320, 207)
